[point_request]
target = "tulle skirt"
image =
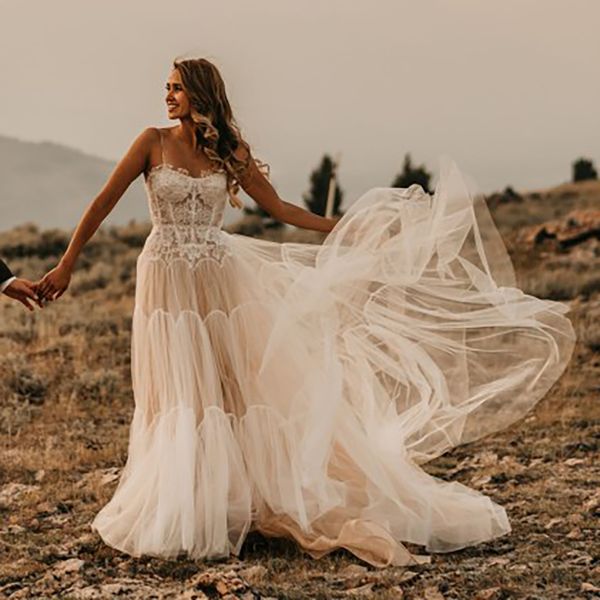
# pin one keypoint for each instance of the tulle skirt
(295, 389)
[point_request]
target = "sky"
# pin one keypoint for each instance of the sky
(508, 88)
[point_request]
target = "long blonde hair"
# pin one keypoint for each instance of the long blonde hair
(216, 129)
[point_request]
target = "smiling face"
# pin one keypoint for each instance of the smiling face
(178, 104)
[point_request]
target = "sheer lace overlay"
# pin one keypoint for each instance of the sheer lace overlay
(187, 215)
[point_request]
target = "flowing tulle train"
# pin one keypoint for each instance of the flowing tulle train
(296, 388)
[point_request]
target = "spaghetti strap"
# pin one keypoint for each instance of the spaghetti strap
(162, 148)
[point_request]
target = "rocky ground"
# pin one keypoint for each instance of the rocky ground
(65, 407)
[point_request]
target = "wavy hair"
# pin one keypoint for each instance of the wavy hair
(217, 131)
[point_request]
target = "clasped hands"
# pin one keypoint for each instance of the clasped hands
(50, 287)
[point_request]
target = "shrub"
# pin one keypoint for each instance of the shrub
(583, 169)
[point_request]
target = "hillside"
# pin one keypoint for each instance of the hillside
(52, 184)
(66, 405)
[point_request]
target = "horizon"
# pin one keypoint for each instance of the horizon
(504, 89)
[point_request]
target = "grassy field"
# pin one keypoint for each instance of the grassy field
(66, 404)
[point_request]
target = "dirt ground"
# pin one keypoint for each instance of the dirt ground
(65, 408)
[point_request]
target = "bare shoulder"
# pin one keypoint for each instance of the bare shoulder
(147, 147)
(150, 135)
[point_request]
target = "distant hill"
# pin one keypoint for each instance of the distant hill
(50, 185)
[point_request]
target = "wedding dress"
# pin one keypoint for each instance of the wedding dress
(295, 389)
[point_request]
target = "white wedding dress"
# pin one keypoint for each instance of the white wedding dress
(295, 389)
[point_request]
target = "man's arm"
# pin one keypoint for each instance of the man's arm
(6, 276)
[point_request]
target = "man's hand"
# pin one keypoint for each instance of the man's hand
(54, 284)
(23, 290)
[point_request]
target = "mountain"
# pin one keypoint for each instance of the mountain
(51, 185)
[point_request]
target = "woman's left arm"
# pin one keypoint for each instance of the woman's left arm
(258, 187)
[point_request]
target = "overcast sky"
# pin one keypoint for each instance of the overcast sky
(508, 88)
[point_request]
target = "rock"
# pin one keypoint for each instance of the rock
(518, 568)
(575, 227)
(353, 571)
(489, 594)
(484, 459)
(576, 557)
(46, 507)
(224, 582)
(125, 588)
(15, 529)
(365, 591)
(254, 574)
(357, 577)
(497, 561)
(552, 522)
(432, 593)
(11, 492)
(192, 595)
(575, 518)
(67, 567)
(480, 480)
(109, 475)
(592, 503)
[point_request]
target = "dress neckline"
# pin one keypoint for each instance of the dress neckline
(204, 173)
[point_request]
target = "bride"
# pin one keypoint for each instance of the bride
(296, 389)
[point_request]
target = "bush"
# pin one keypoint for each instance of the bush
(20, 380)
(584, 169)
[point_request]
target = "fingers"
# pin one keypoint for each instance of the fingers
(46, 289)
(27, 290)
(42, 287)
(38, 301)
(23, 300)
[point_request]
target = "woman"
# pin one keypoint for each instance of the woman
(295, 388)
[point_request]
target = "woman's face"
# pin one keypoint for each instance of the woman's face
(178, 104)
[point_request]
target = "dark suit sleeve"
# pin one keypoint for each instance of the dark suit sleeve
(5, 272)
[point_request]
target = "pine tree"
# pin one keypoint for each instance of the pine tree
(316, 198)
(412, 175)
(583, 169)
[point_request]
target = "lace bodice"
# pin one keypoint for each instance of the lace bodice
(187, 214)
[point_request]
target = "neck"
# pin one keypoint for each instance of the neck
(187, 132)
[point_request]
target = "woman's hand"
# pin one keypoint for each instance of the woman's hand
(333, 220)
(54, 284)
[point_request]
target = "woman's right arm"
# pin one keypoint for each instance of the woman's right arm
(133, 163)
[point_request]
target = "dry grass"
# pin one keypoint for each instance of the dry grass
(66, 404)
